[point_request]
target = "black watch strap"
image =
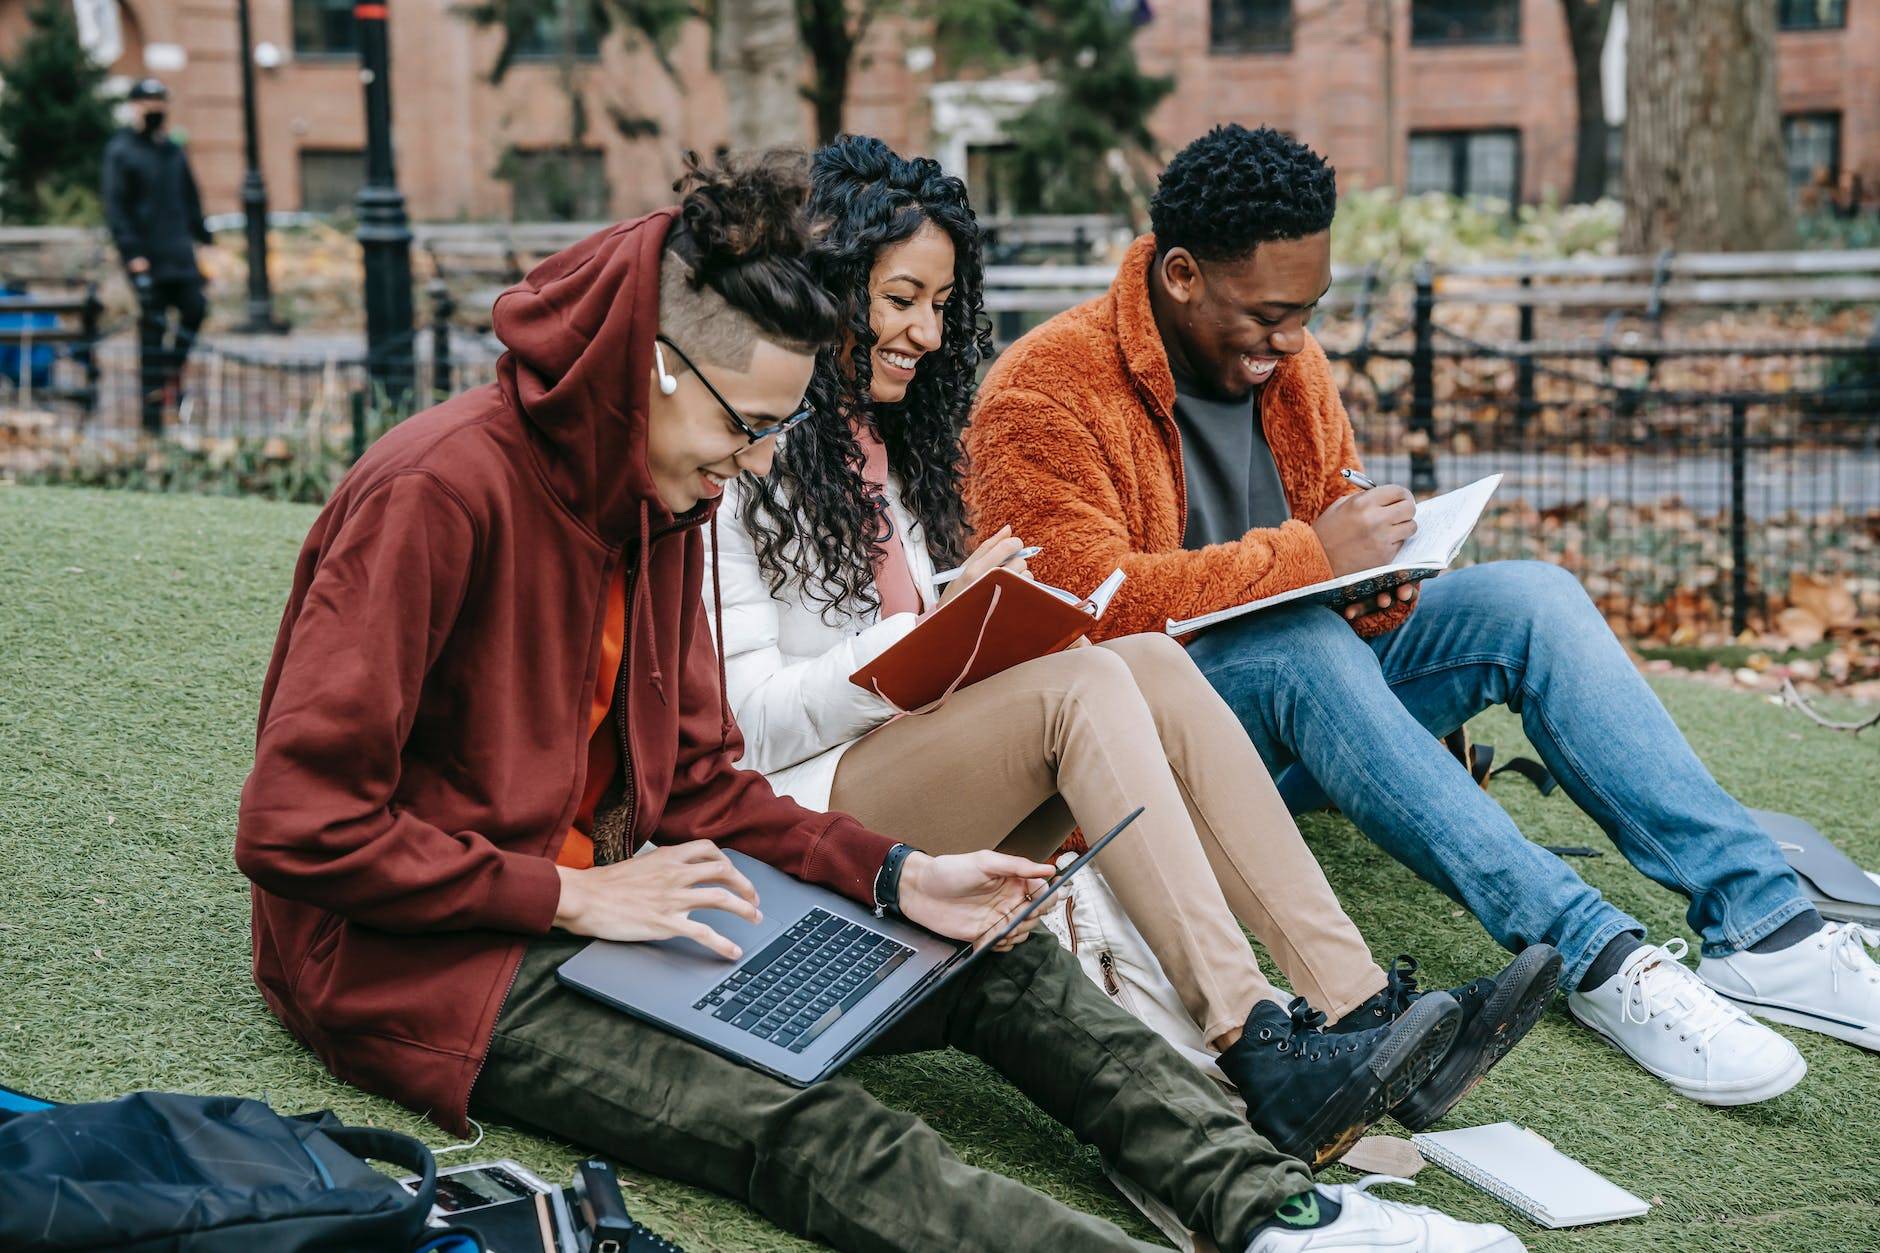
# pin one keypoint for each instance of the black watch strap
(888, 881)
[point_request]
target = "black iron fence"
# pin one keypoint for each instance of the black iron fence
(1686, 481)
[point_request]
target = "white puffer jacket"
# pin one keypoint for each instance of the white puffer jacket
(787, 668)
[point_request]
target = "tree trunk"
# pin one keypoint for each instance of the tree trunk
(831, 44)
(1704, 168)
(1587, 24)
(761, 61)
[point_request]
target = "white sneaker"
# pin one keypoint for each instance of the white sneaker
(1826, 983)
(1370, 1223)
(1661, 1015)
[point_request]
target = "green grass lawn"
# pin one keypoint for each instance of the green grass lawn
(134, 632)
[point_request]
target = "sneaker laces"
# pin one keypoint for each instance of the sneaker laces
(1306, 1037)
(1847, 945)
(1363, 1188)
(1400, 986)
(1659, 982)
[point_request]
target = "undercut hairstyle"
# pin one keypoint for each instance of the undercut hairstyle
(1234, 189)
(737, 266)
(814, 522)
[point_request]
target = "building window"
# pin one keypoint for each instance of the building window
(1813, 142)
(1465, 21)
(542, 39)
(556, 185)
(324, 27)
(1240, 26)
(1811, 14)
(1466, 163)
(330, 178)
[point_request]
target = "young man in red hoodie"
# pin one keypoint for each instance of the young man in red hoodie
(495, 681)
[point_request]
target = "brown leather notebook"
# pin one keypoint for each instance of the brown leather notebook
(999, 622)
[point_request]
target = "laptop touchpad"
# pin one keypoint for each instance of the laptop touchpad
(747, 936)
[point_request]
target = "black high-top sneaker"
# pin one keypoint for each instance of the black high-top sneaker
(1497, 1010)
(1312, 1093)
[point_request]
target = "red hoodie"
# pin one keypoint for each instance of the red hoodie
(423, 736)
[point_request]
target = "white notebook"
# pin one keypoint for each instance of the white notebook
(1524, 1171)
(1443, 526)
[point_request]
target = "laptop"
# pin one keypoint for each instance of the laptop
(821, 976)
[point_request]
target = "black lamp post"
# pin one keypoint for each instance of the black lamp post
(384, 230)
(261, 319)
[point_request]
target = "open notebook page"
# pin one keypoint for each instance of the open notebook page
(1444, 523)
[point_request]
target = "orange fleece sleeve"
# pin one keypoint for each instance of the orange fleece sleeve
(1042, 469)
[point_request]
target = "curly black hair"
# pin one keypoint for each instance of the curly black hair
(814, 522)
(1234, 189)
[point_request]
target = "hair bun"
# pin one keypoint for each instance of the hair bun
(745, 208)
(859, 158)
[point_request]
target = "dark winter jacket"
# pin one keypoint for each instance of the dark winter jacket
(151, 204)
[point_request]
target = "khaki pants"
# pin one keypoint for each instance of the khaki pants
(1131, 722)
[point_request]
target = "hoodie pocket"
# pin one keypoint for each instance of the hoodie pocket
(319, 948)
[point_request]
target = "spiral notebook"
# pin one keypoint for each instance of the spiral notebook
(1526, 1172)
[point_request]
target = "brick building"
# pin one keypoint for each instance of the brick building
(1464, 95)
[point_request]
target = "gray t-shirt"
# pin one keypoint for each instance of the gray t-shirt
(1233, 481)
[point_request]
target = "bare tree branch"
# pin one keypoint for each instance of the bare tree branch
(1794, 699)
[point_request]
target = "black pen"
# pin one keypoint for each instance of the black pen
(1353, 476)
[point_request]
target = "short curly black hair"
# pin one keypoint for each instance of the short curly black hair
(1234, 189)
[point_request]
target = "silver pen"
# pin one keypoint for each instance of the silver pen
(947, 576)
(1353, 476)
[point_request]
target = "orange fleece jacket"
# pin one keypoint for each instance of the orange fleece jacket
(1073, 443)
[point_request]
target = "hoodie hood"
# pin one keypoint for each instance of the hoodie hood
(579, 333)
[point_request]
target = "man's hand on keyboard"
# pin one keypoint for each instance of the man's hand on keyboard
(965, 895)
(648, 897)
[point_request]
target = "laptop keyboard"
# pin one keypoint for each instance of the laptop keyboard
(804, 980)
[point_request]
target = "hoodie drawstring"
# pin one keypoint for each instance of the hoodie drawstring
(718, 618)
(636, 610)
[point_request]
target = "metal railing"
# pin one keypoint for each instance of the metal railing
(1685, 480)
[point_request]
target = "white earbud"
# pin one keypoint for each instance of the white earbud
(667, 384)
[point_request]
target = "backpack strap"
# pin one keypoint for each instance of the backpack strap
(398, 1149)
(13, 1104)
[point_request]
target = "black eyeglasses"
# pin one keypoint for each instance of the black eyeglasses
(750, 432)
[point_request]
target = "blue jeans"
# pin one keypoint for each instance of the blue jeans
(1360, 718)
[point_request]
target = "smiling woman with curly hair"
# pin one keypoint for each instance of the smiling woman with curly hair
(830, 560)
(815, 520)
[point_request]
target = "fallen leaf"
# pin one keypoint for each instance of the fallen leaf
(1828, 599)
(1799, 627)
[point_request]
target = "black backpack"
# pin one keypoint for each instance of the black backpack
(159, 1172)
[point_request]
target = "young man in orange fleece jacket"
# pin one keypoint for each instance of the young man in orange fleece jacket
(1186, 428)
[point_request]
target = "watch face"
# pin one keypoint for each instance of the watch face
(475, 1189)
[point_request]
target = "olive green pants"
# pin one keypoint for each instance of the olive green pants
(832, 1163)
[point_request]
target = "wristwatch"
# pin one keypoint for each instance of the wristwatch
(888, 881)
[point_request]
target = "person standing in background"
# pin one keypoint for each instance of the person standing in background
(155, 215)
